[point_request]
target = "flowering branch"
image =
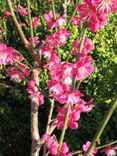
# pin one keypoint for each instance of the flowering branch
(102, 126)
(22, 36)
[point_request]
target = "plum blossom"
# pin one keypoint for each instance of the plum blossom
(35, 95)
(87, 145)
(76, 21)
(83, 68)
(53, 146)
(74, 116)
(51, 22)
(35, 22)
(19, 74)
(105, 6)
(6, 54)
(7, 14)
(22, 11)
(88, 11)
(110, 151)
(15, 75)
(36, 40)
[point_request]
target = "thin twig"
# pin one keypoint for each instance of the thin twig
(109, 144)
(30, 24)
(22, 36)
(102, 126)
(49, 121)
(65, 126)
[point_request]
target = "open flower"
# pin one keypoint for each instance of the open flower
(86, 147)
(110, 151)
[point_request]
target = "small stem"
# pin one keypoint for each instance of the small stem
(22, 36)
(53, 8)
(109, 144)
(65, 126)
(49, 121)
(78, 85)
(102, 126)
(82, 37)
(74, 12)
(77, 152)
(54, 14)
(30, 22)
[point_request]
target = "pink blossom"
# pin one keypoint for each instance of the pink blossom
(22, 24)
(105, 6)
(86, 9)
(88, 46)
(61, 36)
(73, 118)
(22, 11)
(7, 14)
(15, 75)
(76, 21)
(36, 40)
(19, 74)
(96, 21)
(35, 22)
(89, 11)
(83, 68)
(35, 96)
(51, 22)
(76, 43)
(110, 151)
(86, 147)
(6, 54)
(24, 69)
(52, 144)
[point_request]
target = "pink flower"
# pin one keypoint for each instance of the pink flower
(15, 75)
(73, 118)
(6, 14)
(88, 46)
(96, 21)
(49, 17)
(35, 96)
(89, 11)
(36, 40)
(86, 9)
(6, 54)
(61, 36)
(86, 147)
(110, 151)
(83, 68)
(52, 144)
(22, 11)
(76, 21)
(22, 24)
(24, 69)
(105, 6)
(35, 22)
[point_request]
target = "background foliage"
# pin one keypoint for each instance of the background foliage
(102, 86)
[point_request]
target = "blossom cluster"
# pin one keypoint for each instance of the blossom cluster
(64, 76)
(53, 146)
